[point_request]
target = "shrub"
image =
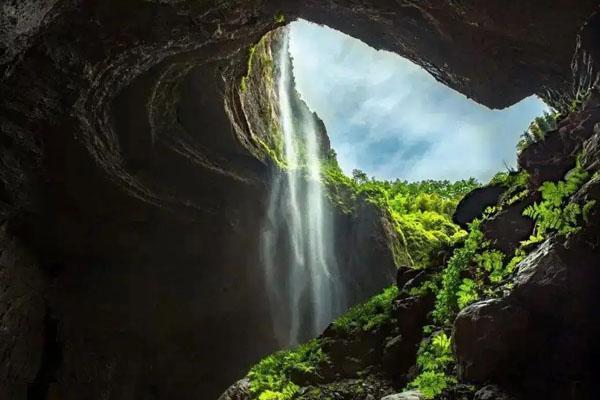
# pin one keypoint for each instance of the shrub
(270, 378)
(434, 358)
(555, 213)
(538, 130)
(370, 314)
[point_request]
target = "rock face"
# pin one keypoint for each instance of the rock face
(539, 340)
(509, 228)
(473, 205)
(131, 186)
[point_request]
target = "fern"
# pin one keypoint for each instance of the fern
(554, 213)
(434, 358)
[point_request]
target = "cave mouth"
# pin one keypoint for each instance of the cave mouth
(389, 118)
(323, 106)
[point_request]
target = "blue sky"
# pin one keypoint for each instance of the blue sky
(391, 119)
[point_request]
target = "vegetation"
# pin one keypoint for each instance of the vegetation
(538, 130)
(368, 315)
(434, 359)
(555, 213)
(421, 212)
(279, 18)
(270, 379)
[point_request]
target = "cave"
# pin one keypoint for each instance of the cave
(136, 173)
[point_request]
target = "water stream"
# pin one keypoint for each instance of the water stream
(298, 250)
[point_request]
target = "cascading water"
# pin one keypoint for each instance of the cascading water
(301, 272)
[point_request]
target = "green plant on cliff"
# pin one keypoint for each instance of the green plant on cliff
(555, 213)
(447, 301)
(434, 359)
(538, 130)
(421, 212)
(370, 314)
(516, 184)
(270, 379)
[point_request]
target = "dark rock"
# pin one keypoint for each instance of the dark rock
(238, 391)
(416, 281)
(22, 317)
(411, 314)
(488, 339)
(587, 53)
(474, 204)
(591, 151)
(508, 228)
(551, 158)
(351, 354)
(492, 392)
(398, 355)
(405, 274)
(371, 387)
(540, 339)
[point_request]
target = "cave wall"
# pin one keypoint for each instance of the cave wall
(129, 186)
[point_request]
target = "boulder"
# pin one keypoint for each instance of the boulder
(405, 274)
(474, 204)
(488, 338)
(238, 391)
(492, 392)
(508, 228)
(541, 339)
(399, 355)
(409, 395)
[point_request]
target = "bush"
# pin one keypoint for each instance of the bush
(434, 358)
(370, 314)
(538, 130)
(270, 378)
(555, 213)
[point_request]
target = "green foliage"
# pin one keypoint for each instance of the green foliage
(467, 293)
(434, 358)
(421, 212)
(370, 314)
(270, 378)
(244, 82)
(538, 130)
(492, 263)
(587, 209)
(555, 213)
(516, 184)
(447, 303)
(279, 18)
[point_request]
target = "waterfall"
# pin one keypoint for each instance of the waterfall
(301, 273)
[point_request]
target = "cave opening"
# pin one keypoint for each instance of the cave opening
(144, 152)
(338, 112)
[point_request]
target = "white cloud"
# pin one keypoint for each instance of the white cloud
(390, 118)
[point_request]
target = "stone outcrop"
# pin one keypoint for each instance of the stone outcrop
(474, 204)
(539, 340)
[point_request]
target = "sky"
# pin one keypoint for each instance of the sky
(390, 118)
